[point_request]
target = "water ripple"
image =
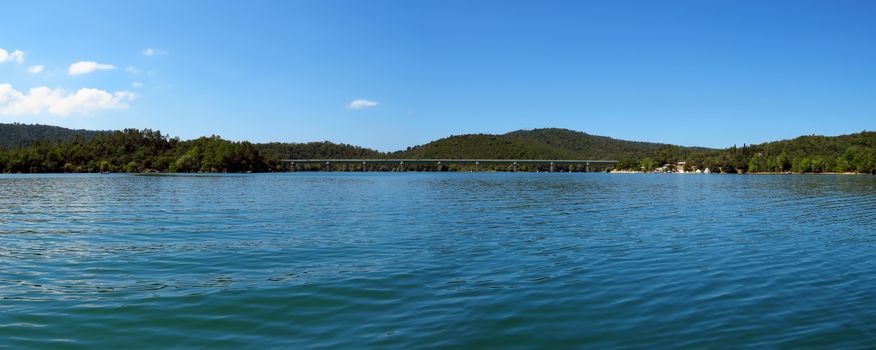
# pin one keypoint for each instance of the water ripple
(437, 261)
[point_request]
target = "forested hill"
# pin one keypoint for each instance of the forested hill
(23, 135)
(484, 146)
(593, 146)
(550, 143)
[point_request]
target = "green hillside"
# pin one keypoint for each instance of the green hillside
(549, 143)
(585, 144)
(23, 135)
(483, 146)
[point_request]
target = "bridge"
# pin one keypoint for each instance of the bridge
(401, 163)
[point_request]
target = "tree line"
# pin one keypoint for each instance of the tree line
(805, 154)
(133, 150)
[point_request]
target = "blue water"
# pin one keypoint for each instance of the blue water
(437, 260)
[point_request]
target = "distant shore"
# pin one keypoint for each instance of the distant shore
(43, 149)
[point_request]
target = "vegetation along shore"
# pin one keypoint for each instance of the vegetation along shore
(48, 149)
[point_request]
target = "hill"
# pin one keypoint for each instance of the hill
(484, 146)
(23, 135)
(550, 143)
(589, 146)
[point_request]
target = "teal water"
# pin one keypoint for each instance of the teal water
(437, 260)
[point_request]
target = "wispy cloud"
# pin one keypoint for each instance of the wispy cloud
(35, 69)
(133, 70)
(58, 102)
(15, 56)
(149, 52)
(362, 104)
(85, 67)
(137, 84)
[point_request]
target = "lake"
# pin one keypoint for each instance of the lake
(437, 260)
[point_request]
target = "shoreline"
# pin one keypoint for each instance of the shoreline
(750, 173)
(420, 171)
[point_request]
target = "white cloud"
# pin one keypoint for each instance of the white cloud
(15, 56)
(154, 52)
(58, 102)
(137, 84)
(362, 104)
(85, 67)
(133, 70)
(35, 69)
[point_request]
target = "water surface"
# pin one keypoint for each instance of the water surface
(437, 260)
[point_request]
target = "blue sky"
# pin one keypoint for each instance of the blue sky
(391, 74)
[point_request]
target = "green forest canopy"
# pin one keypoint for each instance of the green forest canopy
(23, 135)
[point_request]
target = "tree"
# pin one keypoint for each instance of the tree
(185, 164)
(132, 167)
(649, 164)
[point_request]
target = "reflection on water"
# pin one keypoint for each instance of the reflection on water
(437, 260)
